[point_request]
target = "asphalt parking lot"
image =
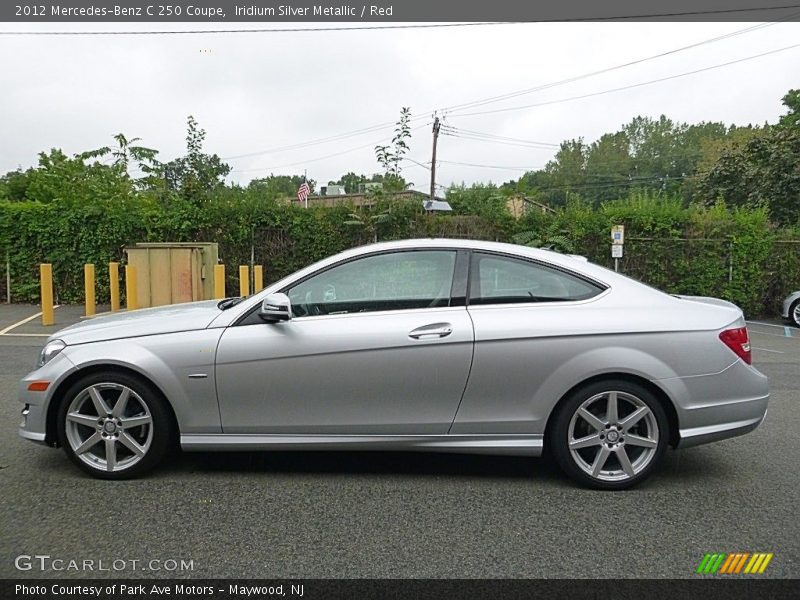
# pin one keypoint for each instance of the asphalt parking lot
(291, 515)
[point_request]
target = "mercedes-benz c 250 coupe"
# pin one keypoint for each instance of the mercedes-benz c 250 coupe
(431, 345)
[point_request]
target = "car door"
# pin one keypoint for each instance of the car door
(530, 320)
(376, 345)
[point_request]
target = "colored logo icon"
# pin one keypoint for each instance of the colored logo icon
(734, 563)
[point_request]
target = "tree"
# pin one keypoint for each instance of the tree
(124, 152)
(763, 171)
(390, 157)
(197, 173)
(280, 186)
(791, 120)
(14, 185)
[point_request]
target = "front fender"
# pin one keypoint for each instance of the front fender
(167, 361)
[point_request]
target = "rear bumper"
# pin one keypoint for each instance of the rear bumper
(714, 433)
(718, 406)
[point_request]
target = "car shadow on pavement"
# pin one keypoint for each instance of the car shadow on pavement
(357, 463)
(688, 466)
(693, 466)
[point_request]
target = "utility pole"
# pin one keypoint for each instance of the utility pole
(433, 157)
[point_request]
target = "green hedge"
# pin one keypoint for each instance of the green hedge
(715, 251)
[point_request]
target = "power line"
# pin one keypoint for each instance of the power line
(310, 160)
(457, 131)
(384, 125)
(635, 85)
(481, 166)
(509, 95)
(502, 142)
(370, 129)
(622, 182)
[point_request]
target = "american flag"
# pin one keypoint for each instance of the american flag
(303, 191)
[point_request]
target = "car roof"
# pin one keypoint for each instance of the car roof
(568, 261)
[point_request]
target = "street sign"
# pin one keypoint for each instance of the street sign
(616, 251)
(618, 235)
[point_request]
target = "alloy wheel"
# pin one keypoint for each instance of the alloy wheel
(613, 436)
(109, 427)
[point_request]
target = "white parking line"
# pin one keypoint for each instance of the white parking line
(762, 323)
(768, 350)
(18, 323)
(22, 322)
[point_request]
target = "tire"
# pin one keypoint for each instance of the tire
(794, 313)
(628, 447)
(135, 434)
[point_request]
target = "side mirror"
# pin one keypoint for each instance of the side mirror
(276, 308)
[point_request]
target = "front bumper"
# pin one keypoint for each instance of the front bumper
(718, 406)
(33, 426)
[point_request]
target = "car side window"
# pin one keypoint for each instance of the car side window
(504, 280)
(392, 281)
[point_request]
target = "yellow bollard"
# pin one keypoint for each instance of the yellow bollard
(113, 283)
(258, 278)
(219, 281)
(46, 275)
(88, 286)
(244, 280)
(131, 290)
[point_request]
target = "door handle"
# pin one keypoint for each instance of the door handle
(433, 330)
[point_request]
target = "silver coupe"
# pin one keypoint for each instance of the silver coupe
(430, 345)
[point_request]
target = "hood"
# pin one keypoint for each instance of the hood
(148, 321)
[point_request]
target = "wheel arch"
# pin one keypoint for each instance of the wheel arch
(51, 437)
(662, 397)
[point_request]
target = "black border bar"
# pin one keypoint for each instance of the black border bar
(706, 587)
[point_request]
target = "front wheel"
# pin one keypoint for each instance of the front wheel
(794, 313)
(610, 435)
(113, 425)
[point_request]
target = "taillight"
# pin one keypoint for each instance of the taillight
(738, 340)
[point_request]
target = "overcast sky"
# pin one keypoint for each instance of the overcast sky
(258, 92)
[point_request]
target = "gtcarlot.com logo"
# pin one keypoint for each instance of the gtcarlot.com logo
(734, 563)
(45, 562)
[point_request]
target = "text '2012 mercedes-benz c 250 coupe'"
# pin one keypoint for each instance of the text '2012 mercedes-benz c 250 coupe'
(430, 345)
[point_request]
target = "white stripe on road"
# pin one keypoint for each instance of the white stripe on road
(762, 323)
(18, 323)
(767, 350)
(22, 322)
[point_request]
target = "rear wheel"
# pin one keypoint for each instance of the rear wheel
(114, 426)
(610, 435)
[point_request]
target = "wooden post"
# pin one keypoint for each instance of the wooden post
(436, 126)
(219, 281)
(113, 283)
(46, 275)
(88, 286)
(131, 289)
(244, 280)
(258, 278)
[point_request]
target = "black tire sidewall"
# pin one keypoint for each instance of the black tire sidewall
(162, 423)
(559, 446)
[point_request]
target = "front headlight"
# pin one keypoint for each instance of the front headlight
(50, 351)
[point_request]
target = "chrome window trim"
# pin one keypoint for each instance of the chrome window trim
(296, 282)
(606, 288)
